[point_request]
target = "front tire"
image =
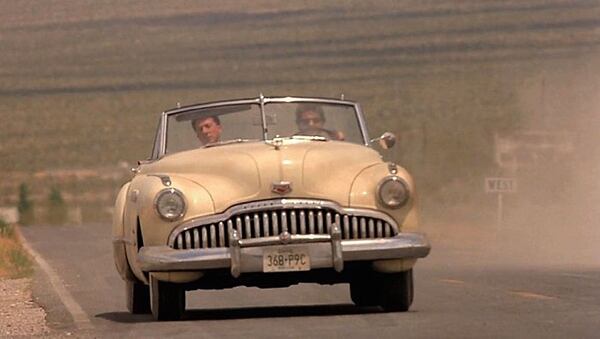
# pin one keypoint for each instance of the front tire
(394, 292)
(363, 292)
(137, 297)
(167, 300)
(397, 291)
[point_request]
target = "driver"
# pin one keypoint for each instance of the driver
(311, 118)
(208, 129)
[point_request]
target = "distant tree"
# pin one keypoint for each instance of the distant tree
(55, 197)
(57, 209)
(25, 205)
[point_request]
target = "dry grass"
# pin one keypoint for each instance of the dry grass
(14, 261)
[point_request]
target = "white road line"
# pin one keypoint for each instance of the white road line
(79, 316)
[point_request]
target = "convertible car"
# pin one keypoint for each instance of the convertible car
(266, 192)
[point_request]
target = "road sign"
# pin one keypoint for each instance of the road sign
(500, 185)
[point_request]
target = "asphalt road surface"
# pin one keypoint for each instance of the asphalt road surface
(461, 291)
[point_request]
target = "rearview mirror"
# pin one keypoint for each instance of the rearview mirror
(387, 140)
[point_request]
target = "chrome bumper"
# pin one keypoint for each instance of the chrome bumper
(326, 251)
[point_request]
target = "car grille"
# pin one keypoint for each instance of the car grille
(304, 221)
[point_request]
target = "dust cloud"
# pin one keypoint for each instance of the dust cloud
(553, 219)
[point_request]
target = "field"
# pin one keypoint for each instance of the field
(84, 81)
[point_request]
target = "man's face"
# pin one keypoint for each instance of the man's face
(207, 130)
(310, 121)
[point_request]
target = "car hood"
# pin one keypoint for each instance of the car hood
(242, 172)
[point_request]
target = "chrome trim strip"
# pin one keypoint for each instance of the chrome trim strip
(248, 228)
(196, 237)
(284, 227)
(256, 225)
(275, 223)
(204, 238)
(213, 236)
(276, 240)
(266, 224)
(238, 227)
(221, 234)
(188, 240)
(284, 203)
(302, 222)
(293, 229)
(347, 227)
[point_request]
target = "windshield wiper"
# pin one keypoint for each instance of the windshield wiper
(228, 142)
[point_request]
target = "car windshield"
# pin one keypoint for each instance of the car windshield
(218, 125)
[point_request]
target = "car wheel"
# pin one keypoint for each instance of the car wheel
(363, 292)
(167, 300)
(137, 297)
(397, 291)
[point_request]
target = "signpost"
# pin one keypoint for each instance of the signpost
(500, 186)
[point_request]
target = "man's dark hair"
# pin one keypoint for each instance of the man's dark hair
(309, 107)
(214, 117)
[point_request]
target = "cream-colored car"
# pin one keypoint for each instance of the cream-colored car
(266, 192)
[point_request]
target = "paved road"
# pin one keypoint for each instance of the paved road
(461, 291)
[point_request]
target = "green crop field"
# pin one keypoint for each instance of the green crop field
(83, 82)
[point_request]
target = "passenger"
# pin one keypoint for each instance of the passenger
(310, 119)
(208, 129)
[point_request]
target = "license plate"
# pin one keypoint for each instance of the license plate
(286, 259)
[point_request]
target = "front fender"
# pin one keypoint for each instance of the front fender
(364, 195)
(118, 234)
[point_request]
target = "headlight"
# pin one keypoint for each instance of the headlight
(393, 192)
(170, 204)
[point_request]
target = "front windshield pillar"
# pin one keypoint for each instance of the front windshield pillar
(263, 117)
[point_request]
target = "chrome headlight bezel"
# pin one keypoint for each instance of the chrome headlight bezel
(396, 180)
(162, 195)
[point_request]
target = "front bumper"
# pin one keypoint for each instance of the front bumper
(326, 251)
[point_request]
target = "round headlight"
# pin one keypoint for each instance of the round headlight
(393, 192)
(170, 204)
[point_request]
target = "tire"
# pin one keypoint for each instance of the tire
(397, 291)
(137, 297)
(167, 300)
(362, 292)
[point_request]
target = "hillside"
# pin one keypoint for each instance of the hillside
(83, 81)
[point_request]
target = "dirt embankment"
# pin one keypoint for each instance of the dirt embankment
(19, 314)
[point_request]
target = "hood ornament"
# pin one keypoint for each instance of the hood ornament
(281, 187)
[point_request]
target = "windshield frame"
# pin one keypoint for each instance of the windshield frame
(161, 134)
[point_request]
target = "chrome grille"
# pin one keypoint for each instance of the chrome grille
(258, 224)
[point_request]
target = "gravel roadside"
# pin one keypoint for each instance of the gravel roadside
(19, 314)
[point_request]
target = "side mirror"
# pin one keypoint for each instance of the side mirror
(387, 140)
